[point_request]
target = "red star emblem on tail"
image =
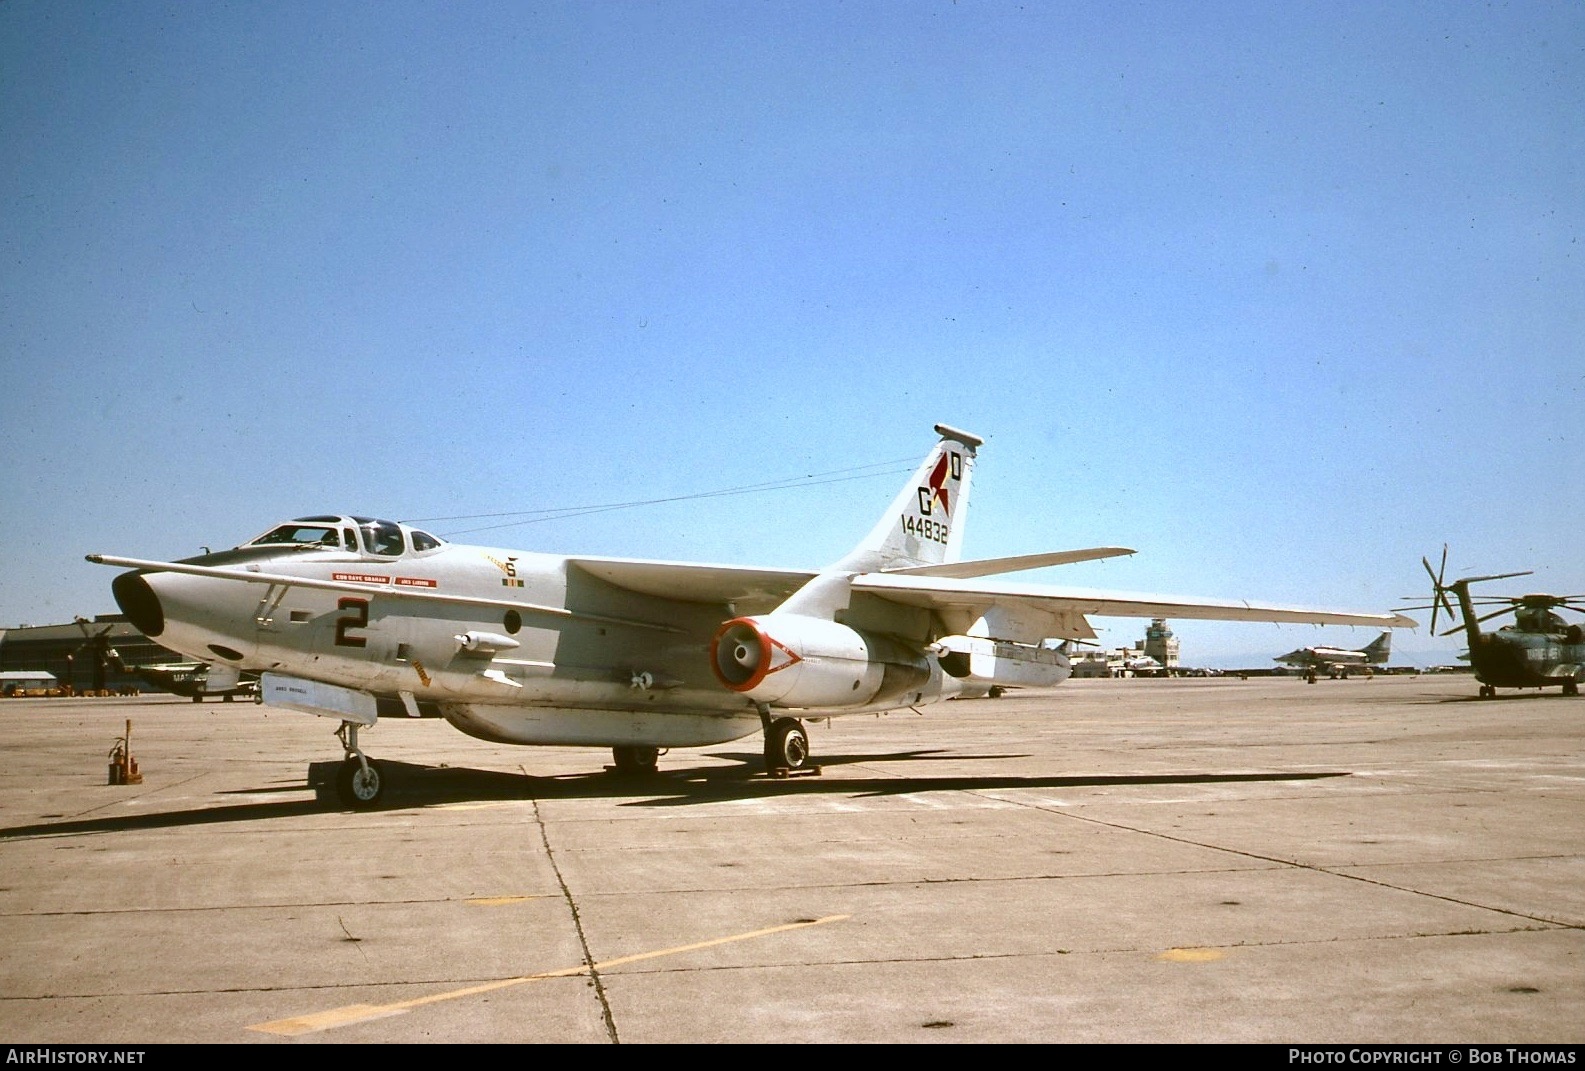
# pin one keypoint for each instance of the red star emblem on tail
(938, 483)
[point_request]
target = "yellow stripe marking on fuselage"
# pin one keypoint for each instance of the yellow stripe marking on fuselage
(362, 1013)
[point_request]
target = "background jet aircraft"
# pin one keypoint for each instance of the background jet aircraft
(353, 618)
(1144, 666)
(1338, 661)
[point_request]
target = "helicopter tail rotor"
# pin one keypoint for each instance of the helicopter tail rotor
(1440, 603)
(1439, 590)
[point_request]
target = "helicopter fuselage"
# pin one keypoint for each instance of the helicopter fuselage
(1540, 650)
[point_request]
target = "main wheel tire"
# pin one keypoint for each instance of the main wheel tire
(636, 760)
(358, 786)
(1571, 688)
(786, 745)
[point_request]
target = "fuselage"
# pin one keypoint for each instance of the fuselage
(572, 659)
(1324, 656)
(1540, 650)
(1509, 658)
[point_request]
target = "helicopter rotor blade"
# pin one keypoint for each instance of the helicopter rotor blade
(1494, 576)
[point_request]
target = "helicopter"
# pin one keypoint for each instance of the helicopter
(1538, 650)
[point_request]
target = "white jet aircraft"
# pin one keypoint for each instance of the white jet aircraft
(1336, 662)
(352, 618)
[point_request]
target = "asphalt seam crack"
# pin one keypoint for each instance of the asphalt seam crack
(1295, 864)
(577, 923)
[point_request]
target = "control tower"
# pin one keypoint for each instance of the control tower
(1160, 643)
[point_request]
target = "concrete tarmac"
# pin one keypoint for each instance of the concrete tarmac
(1207, 860)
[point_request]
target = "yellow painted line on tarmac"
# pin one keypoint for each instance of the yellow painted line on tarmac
(502, 901)
(1192, 955)
(362, 1013)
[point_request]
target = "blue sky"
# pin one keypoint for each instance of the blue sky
(1284, 296)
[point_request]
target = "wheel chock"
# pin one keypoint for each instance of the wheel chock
(781, 773)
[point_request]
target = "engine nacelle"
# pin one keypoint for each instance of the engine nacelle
(799, 661)
(1000, 662)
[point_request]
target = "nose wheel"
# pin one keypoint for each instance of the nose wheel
(359, 783)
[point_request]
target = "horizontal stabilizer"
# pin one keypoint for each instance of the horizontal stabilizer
(1016, 564)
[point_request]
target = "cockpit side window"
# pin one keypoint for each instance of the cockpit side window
(350, 538)
(424, 541)
(383, 537)
(299, 535)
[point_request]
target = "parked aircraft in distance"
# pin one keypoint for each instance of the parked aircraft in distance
(1145, 666)
(196, 680)
(1337, 662)
(1538, 650)
(353, 618)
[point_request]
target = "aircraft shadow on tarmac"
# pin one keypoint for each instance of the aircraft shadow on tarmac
(410, 785)
(1534, 693)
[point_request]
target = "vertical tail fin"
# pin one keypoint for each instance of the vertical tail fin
(1380, 649)
(923, 526)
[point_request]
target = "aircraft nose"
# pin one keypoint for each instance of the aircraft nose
(138, 601)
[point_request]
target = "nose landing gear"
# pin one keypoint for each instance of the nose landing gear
(359, 783)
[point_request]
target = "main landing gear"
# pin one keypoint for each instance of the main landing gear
(359, 782)
(1488, 692)
(635, 761)
(786, 746)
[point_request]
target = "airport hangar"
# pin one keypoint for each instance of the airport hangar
(78, 656)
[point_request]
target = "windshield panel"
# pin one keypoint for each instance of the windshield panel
(299, 535)
(383, 537)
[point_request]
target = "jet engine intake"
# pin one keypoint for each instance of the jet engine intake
(798, 661)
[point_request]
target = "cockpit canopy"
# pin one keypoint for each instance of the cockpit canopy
(359, 535)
